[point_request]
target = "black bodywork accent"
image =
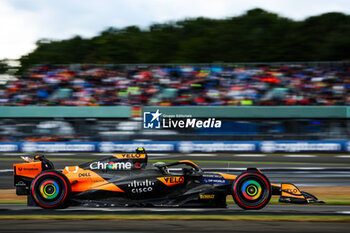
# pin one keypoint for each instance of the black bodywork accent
(127, 180)
(142, 188)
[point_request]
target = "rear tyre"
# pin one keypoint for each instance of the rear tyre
(251, 190)
(51, 190)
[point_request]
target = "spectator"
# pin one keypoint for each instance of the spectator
(183, 85)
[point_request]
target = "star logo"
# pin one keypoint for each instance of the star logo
(151, 120)
(156, 115)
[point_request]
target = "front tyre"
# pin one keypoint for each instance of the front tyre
(251, 190)
(51, 189)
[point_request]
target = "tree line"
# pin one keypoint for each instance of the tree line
(255, 36)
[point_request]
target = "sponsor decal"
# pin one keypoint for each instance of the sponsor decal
(172, 180)
(213, 176)
(57, 147)
(106, 146)
(188, 147)
(267, 147)
(84, 175)
(97, 180)
(153, 120)
(207, 196)
(130, 156)
(191, 123)
(207, 180)
(72, 169)
(182, 146)
(28, 168)
(294, 191)
(348, 146)
(31, 169)
(8, 147)
(111, 165)
(130, 147)
(270, 146)
(141, 186)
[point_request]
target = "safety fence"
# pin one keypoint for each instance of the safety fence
(180, 147)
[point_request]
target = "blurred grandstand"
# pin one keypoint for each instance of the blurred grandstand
(225, 85)
(323, 84)
(58, 94)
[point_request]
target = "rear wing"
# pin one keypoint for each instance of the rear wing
(24, 173)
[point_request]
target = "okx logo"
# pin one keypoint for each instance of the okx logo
(151, 120)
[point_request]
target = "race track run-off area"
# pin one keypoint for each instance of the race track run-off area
(326, 176)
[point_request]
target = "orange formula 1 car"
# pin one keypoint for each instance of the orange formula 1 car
(124, 180)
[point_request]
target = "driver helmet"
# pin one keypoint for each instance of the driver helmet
(162, 165)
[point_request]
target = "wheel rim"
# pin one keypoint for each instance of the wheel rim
(49, 189)
(251, 190)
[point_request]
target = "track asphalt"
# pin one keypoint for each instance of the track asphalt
(156, 226)
(336, 210)
(300, 169)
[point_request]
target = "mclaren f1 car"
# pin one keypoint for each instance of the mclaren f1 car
(125, 180)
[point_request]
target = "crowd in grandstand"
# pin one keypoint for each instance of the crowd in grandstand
(88, 85)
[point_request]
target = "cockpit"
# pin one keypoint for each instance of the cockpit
(184, 167)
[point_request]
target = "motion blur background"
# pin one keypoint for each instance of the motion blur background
(267, 76)
(77, 75)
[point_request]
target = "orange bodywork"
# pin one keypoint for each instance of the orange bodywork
(227, 176)
(30, 170)
(290, 190)
(172, 180)
(82, 180)
(130, 156)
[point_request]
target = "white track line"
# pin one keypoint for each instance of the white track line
(15, 154)
(343, 212)
(6, 170)
(342, 156)
(104, 154)
(303, 168)
(121, 209)
(250, 155)
(158, 154)
(200, 155)
(300, 156)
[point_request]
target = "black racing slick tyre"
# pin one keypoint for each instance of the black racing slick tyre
(51, 190)
(251, 190)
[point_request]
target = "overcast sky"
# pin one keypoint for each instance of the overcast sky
(23, 22)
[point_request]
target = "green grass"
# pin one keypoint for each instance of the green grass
(13, 202)
(337, 200)
(296, 218)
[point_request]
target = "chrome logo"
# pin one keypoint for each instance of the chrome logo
(49, 189)
(251, 190)
(111, 165)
